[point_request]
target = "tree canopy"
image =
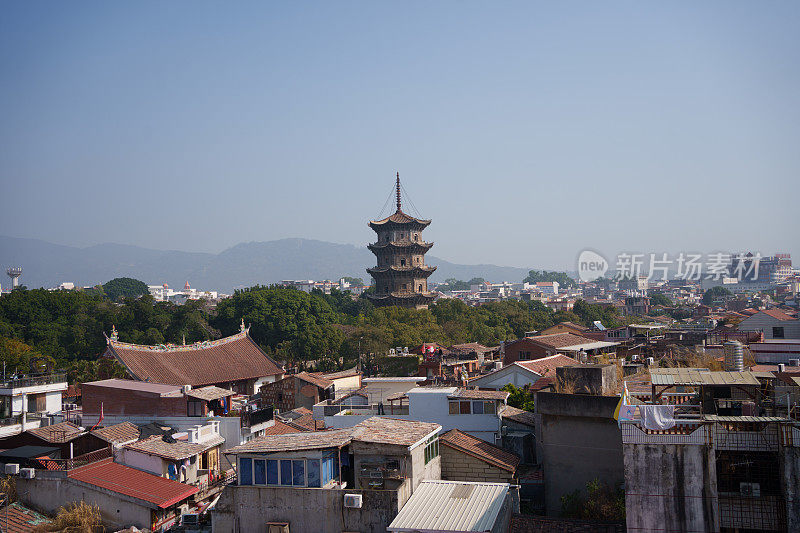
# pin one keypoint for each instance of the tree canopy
(125, 288)
(453, 284)
(714, 293)
(536, 276)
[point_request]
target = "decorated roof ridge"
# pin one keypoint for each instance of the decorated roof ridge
(401, 244)
(408, 268)
(179, 347)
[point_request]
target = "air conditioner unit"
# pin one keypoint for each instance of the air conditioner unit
(750, 489)
(12, 469)
(27, 473)
(352, 501)
(190, 519)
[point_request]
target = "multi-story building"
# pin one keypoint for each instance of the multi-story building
(401, 275)
(25, 401)
(353, 479)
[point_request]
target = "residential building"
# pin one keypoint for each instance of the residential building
(637, 305)
(476, 412)
(235, 363)
(125, 496)
(727, 462)
(353, 479)
(71, 440)
(774, 323)
(522, 373)
(378, 389)
(530, 348)
(25, 401)
(458, 507)
(297, 390)
(468, 458)
(192, 456)
(776, 351)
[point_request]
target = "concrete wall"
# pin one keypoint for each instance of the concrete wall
(672, 486)
(513, 374)
(378, 390)
(579, 440)
(243, 509)
(790, 467)
(46, 495)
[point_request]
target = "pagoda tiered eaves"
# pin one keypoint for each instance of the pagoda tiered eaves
(401, 275)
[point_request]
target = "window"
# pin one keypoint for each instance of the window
(419, 288)
(477, 408)
(195, 408)
(465, 408)
(313, 473)
(259, 472)
(454, 406)
(490, 407)
(272, 472)
(286, 472)
(777, 333)
(299, 473)
(245, 471)
(431, 448)
(402, 262)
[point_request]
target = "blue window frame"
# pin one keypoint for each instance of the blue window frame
(477, 408)
(313, 473)
(286, 472)
(259, 472)
(245, 471)
(272, 472)
(299, 473)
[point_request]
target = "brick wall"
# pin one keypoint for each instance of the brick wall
(127, 402)
(459, 466)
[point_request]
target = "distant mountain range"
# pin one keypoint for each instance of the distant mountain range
(48, 265)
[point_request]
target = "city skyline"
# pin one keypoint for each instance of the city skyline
(637, 128)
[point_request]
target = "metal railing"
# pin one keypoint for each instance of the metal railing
(75, 462)
(34, 380)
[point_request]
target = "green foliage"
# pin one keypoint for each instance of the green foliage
(601, 502)
(715, 293)
(355, 282)
(521, 398)
(658, 298)
(535, 276)
(453, 284)
(125, 288)
(588, 313)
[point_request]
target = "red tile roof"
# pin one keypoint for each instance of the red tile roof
(318, 380)
(230, 359)
(547, 365)
(16, 518)
(777, 313)
(480, 449)
(159, 491)
(560, 340)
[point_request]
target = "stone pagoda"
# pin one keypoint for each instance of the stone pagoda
(401, 277)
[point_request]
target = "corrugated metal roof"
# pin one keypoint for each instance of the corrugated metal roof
(718, 418)
(452, 506)
(700, 376)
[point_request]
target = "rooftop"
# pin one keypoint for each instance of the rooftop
(700, 376)
(132, 385)
(210, 393)
(16, 518)
(473, 394)
(519, 416)
(122, 432)
(177, 450)
(376, 430)
(57, 433)
(451, 506)
(480, 449)
(233, 358)
(314, 379)
(159, 491)
(547, 365)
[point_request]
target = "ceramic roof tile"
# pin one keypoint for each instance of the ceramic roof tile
(230, 359)
(159, 491)
(122, 432)
(480, 449)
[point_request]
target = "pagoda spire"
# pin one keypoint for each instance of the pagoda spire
(398, 192)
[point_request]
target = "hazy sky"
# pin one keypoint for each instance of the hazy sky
(526, 131)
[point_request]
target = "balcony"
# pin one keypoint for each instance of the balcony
(258, 416)
(34, 381)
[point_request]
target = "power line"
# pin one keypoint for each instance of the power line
(408, 197)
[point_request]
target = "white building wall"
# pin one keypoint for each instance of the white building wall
(762, 321)
(140, 461)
